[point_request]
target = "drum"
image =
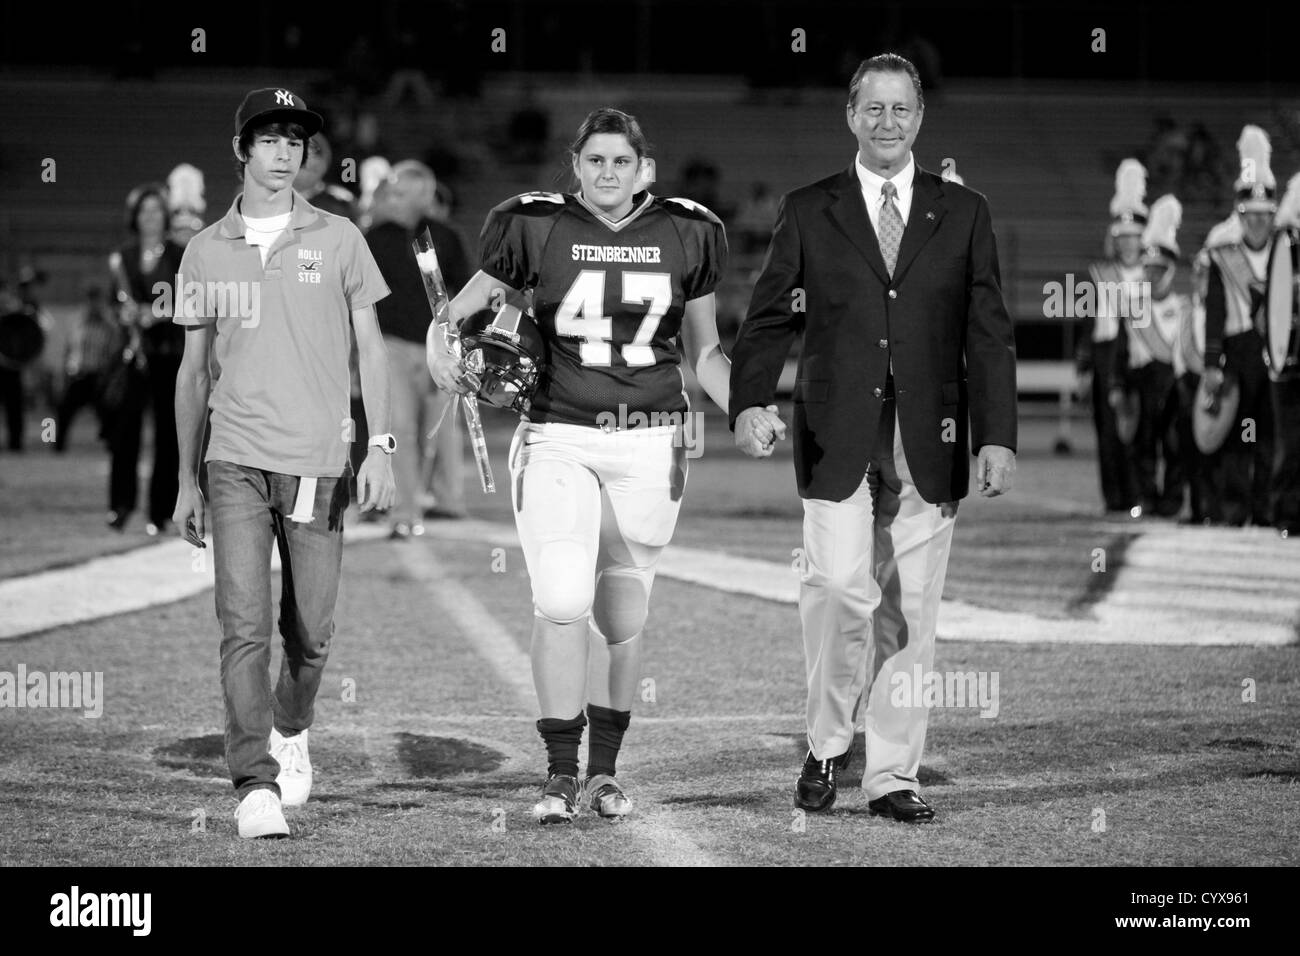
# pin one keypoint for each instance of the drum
(1211, 420)
(1127, 414)
(1281, 308)
(21, 339)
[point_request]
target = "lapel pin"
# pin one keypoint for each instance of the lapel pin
(929, 215)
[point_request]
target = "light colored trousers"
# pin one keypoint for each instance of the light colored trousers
(874, 568)
(416, 404)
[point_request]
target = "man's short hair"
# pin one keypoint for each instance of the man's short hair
(416, 169)
(413, 169)
(886, 63)
(321, 145)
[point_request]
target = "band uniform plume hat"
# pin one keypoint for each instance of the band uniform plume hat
(1128, 211)
(1255, 188)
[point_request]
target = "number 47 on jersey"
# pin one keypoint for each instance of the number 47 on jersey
(581, 315)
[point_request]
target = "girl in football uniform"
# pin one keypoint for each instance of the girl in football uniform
(599, 461)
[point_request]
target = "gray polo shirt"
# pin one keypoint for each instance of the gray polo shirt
(280, 395)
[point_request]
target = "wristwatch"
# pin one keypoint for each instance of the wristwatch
(386, 442)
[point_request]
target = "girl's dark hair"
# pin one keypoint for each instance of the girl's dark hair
(287, 130)
(135, 199)
(608, 120)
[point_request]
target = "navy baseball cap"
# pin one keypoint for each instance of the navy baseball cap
(276, 105)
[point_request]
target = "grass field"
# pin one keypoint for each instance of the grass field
(1112, 744)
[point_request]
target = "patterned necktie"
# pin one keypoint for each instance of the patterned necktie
(890, 229)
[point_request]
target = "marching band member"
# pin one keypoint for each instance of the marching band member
(1234, 349)
(1144, 361)
(1281, 295)
(1098, 344)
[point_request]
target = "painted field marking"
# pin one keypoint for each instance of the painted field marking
(1178, 586)
(133, 580)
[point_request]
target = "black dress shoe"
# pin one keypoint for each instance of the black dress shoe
(815, 789)
(903, 805)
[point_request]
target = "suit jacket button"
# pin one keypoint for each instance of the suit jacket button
(893, 293)
(876, 392)
(883, 343)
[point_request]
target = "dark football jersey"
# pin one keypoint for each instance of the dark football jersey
(608, 297)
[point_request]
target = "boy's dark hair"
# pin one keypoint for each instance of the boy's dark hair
(246, 138)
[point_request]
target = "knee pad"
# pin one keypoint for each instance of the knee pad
(560, 595)
(622, 602)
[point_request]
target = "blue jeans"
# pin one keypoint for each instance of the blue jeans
(249, 508)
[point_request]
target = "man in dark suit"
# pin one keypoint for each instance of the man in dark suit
(891, 275)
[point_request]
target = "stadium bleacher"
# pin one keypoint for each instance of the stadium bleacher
(1044, 154)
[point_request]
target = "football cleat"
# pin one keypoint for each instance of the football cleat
(604, 796)
(559, 803)
(507, 355)
(294, 778)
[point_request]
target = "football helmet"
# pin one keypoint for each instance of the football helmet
(507, 353)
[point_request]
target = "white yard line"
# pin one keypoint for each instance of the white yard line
(1177, 586)
(456, 603)
(117, 584)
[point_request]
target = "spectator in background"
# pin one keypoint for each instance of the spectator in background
(311, 185)
(147, 259)
(95, 344)
(440, 478)
(12, 394)
(444, 205)
(402, 208)
(24, 329)
(529, 132)
(374, 170)
(701, 181)
(1203, 171)
(756, 218)
(186, 202)
(1166, 156)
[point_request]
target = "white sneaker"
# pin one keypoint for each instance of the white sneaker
(294, 778)
(259, 815)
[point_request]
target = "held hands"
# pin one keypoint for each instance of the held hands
(375, 485)
(996, 468)
(448, 374)
(757, 430)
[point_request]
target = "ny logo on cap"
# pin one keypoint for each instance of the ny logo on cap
(283, 98)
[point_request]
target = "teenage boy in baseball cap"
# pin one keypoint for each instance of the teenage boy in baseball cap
(273, 293)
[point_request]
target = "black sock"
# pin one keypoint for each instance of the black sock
(607, 728)
(562, 739)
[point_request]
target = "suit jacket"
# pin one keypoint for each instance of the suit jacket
(941, 319)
